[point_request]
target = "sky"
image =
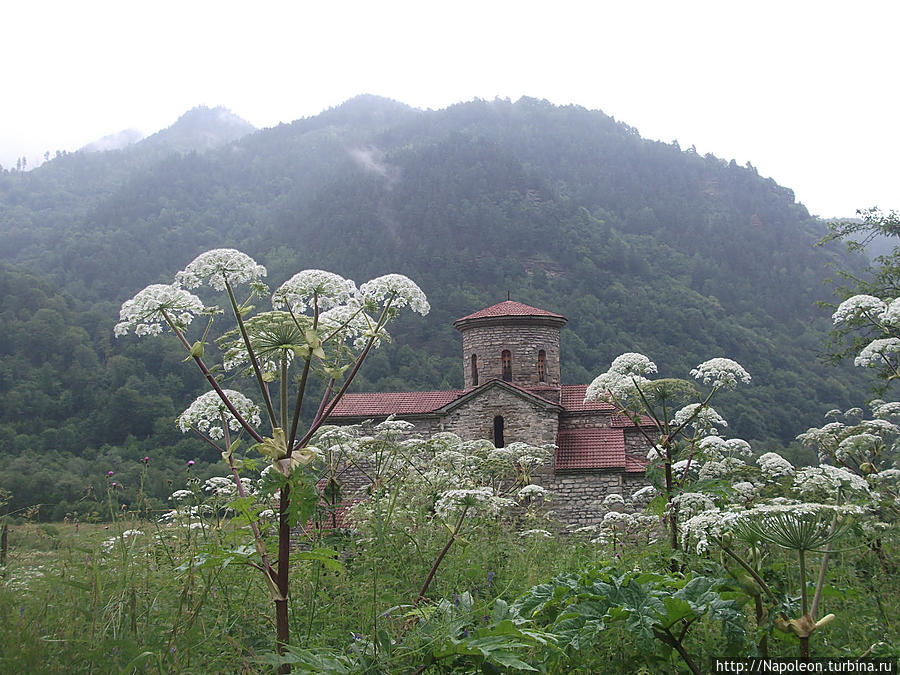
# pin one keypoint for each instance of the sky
(807, 92)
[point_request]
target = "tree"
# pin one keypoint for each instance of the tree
(867, 322)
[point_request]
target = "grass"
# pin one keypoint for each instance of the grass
(86, 599)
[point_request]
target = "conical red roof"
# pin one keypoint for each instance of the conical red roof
(510, 308)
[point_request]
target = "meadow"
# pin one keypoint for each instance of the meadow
(144, 595)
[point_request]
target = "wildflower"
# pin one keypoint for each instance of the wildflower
(190, 462)
(859, 306)
(876, 352)
(479, 499)
(656, 452)
(744, 491)
(827, 479)
(534, 533)
(109, 473)
(701, 417)
(311, 288)
(218, 266)
(720, 468)
(859, 447)
(148, 312)
(891, 315)
(721, 373)
(532, 492)
(208, 412)
(402, 290)
(774, 466)
(352, 325)
(883, 410)
(644, 495)
(614, 499)
(632, 363)
(691, 503)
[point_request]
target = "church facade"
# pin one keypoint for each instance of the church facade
(513, 392)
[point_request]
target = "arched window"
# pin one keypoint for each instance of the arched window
(498, 431)
(506, 360)
(474, 371)
(542, 366)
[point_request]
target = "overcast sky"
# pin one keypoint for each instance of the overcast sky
(805, 91)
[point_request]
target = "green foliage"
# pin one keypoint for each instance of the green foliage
(566, 208)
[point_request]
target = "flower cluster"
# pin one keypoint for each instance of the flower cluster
(625, 374)
(859, 306)
(876, 352)
(218, 266)
(150, 311)
(313, 288)
(699, 417)
(632, 363)
(721, 373)
(826, 480)
(691, 503)
(223, 486)
(858, 446)
(482, 500)
(532, 492)
(400, 290)
(774, 466)
(706, 525)
(208, 413)
(353, 325)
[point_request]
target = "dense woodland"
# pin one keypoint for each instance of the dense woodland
(644, 247)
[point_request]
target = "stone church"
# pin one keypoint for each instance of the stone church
(513, 392)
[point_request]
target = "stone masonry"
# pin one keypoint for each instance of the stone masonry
(513, 393)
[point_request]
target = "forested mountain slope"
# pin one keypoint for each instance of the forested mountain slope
(643, 246)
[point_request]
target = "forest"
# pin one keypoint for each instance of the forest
(642, 245)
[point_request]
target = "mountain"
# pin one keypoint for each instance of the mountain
(116, 141)
(643, 246)
(201, 129)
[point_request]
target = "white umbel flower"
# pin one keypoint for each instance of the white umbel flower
(632, 363)
(146, 312)
(208, 410)
(774, 466)
(402, 289)
(721, 373)
(217, 266)
(867, 306)
(877, 352)
(310, 287)
(706, 417)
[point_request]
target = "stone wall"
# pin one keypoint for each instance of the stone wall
(575, 495)
(593, 419)
(523, 341)
(523, 420)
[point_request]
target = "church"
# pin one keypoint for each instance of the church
(513, 392)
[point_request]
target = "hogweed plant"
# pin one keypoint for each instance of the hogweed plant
(321, 325)
(828, 500)
(674, 429)
(416, 488)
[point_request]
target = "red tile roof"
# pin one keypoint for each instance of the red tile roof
(590, 449)
(635, 465)
(572, 399)
(510, 308)
(394, 403)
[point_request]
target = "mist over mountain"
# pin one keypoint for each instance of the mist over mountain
(200, 129)
(116, 141)
(642, 245)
